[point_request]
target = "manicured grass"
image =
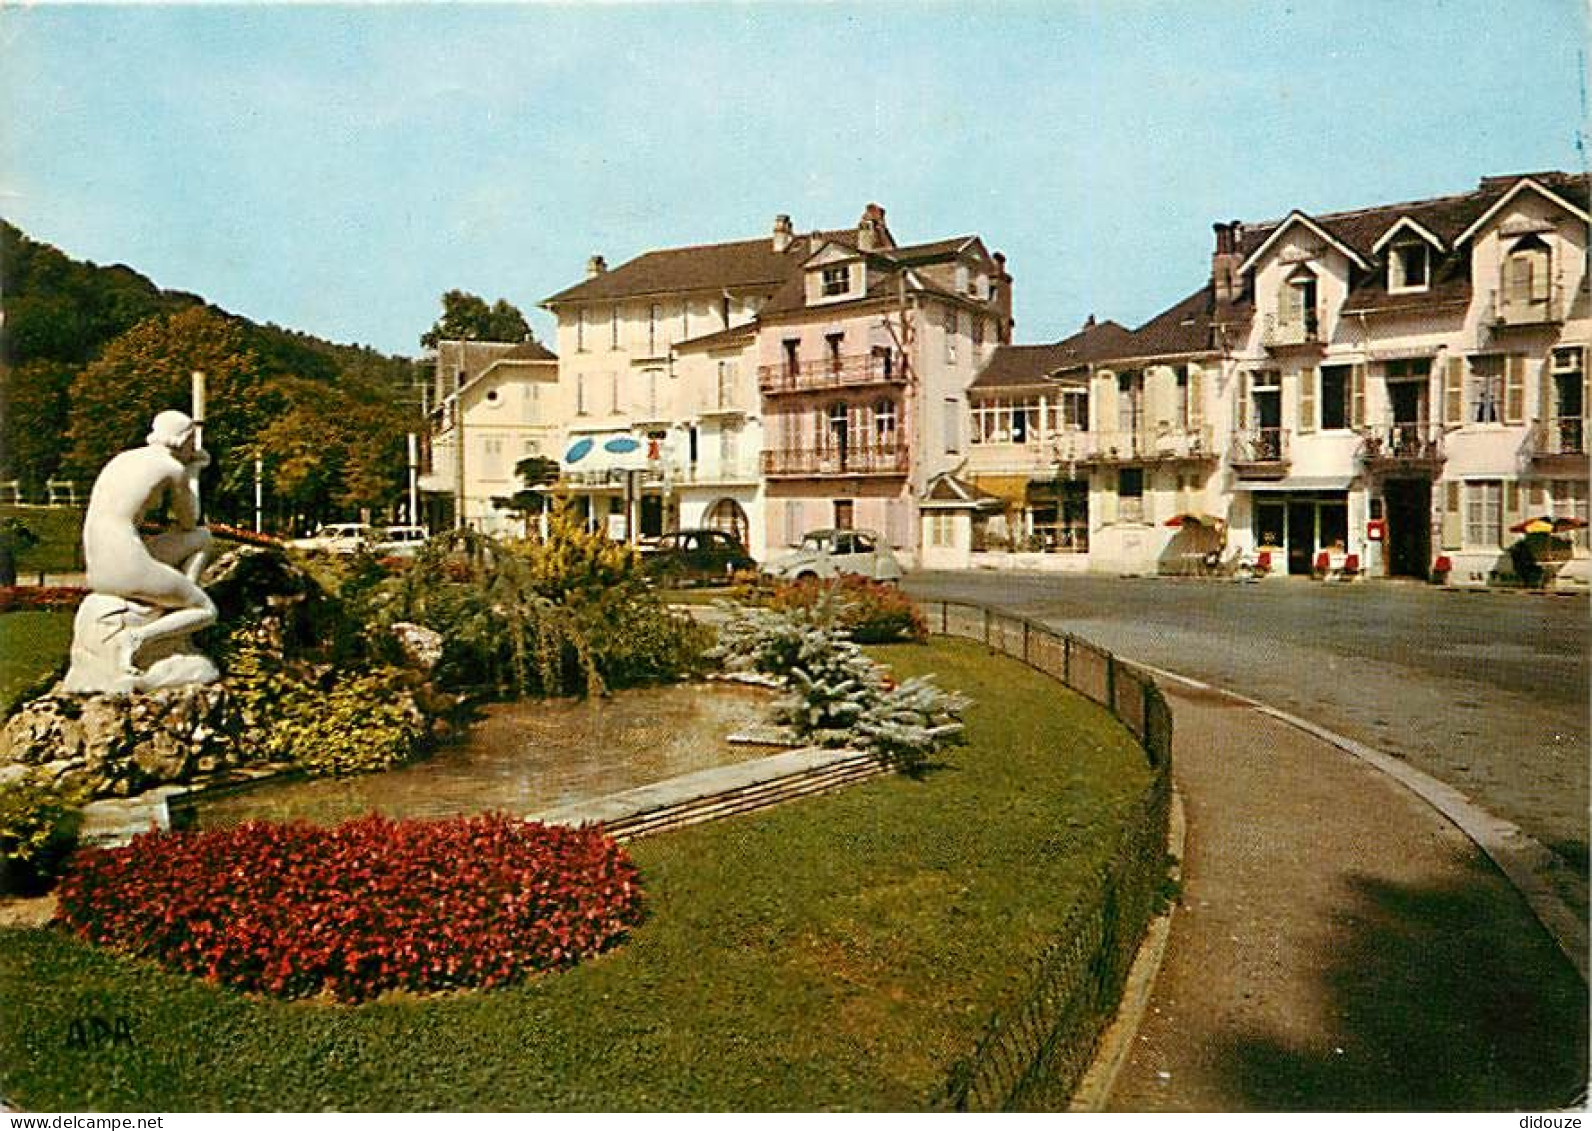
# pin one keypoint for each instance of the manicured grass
(838, 952)
(31, 645)
(60, 533)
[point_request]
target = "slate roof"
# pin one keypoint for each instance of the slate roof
(1012, 367)
(742, 263)
(1446, 217)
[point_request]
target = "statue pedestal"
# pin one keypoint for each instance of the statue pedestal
(100, 660)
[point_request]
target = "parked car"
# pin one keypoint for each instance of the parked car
(687, 556)
(400, 542)
(337, 538)
(830, 553)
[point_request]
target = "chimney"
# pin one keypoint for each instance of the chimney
(1089, 322)
(1224, 263)
(870, 229)
(595, 266)
(783, 233)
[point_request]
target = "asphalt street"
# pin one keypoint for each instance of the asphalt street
(1486, 691)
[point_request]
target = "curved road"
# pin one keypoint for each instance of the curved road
(1486, 691)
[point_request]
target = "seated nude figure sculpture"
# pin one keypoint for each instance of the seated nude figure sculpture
(131, 632)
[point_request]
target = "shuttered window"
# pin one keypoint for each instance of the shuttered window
(1454, 392)
(1483, 512)
(1357, 397)
(1514, 389)
(1453, 521)
(1307, 401)
(1196, 405)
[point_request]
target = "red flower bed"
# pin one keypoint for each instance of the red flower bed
(44, 598)
(239, 534)
(371, 905)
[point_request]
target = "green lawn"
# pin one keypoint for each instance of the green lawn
(838, 952)
(60, 547)
(31, 646)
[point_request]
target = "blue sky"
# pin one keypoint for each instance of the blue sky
(334, 169)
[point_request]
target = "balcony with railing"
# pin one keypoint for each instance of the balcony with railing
(1165, 444)
(848, 371)
(1281, 333)
(1260, 453)
(1559, 444)
(847, 459)
(722, 472)
(1404, 447)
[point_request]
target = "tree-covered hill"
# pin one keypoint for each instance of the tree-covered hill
(89, 353)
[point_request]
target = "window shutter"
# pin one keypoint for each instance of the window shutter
(1539, 498)
(1454, 392)
(1243, 402)
(1514, 510)
(1514, 389)
(1546, 408)
(1539, 276)
(1307, 399)
(1196, 405)
(1290, 305)
(1357, 396)
(1453, 519)
(1105, 401)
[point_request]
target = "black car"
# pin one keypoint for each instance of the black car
(696, 556)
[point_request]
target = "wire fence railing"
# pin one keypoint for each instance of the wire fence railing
(1034, 1052)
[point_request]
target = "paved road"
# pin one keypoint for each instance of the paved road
(1485, 691)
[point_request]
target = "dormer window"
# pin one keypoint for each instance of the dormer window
(1526, 272)
(1409, 266)
(836, 280)
(1298, 302)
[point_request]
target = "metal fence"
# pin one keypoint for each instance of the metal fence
(1033, 1053)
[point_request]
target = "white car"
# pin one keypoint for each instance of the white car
(336, 538)
(400, 542)
(830, 553)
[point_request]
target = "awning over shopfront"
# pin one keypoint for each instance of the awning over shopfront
(1297, 484)
(946, 492)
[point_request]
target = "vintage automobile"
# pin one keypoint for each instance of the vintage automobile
(336, 538)
(685, 557)
(830, 553)
(400, 542)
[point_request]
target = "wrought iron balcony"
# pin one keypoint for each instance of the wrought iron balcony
(1158, 445)
(870, 459)
(1560, 444)
(1403, 446)
(831, 373)
(1260, 453)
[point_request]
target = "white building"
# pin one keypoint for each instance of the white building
(501, 398)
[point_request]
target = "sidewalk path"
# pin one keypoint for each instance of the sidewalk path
(1341, 946)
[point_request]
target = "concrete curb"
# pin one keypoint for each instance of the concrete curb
(1116, 1043)
(1526, 863)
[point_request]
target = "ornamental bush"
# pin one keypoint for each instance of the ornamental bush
(870, 611)
(353, 911)
(38, 829)
(837, 695)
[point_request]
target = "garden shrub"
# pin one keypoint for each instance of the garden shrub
(39, 821)
(570, 614)
(368, 906)
(838, 696)
(323, 719)
(870, 611)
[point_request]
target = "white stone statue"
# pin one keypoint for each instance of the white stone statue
(132, 630)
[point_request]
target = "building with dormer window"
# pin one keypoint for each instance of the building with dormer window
(1392, 387)
(769, 387)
